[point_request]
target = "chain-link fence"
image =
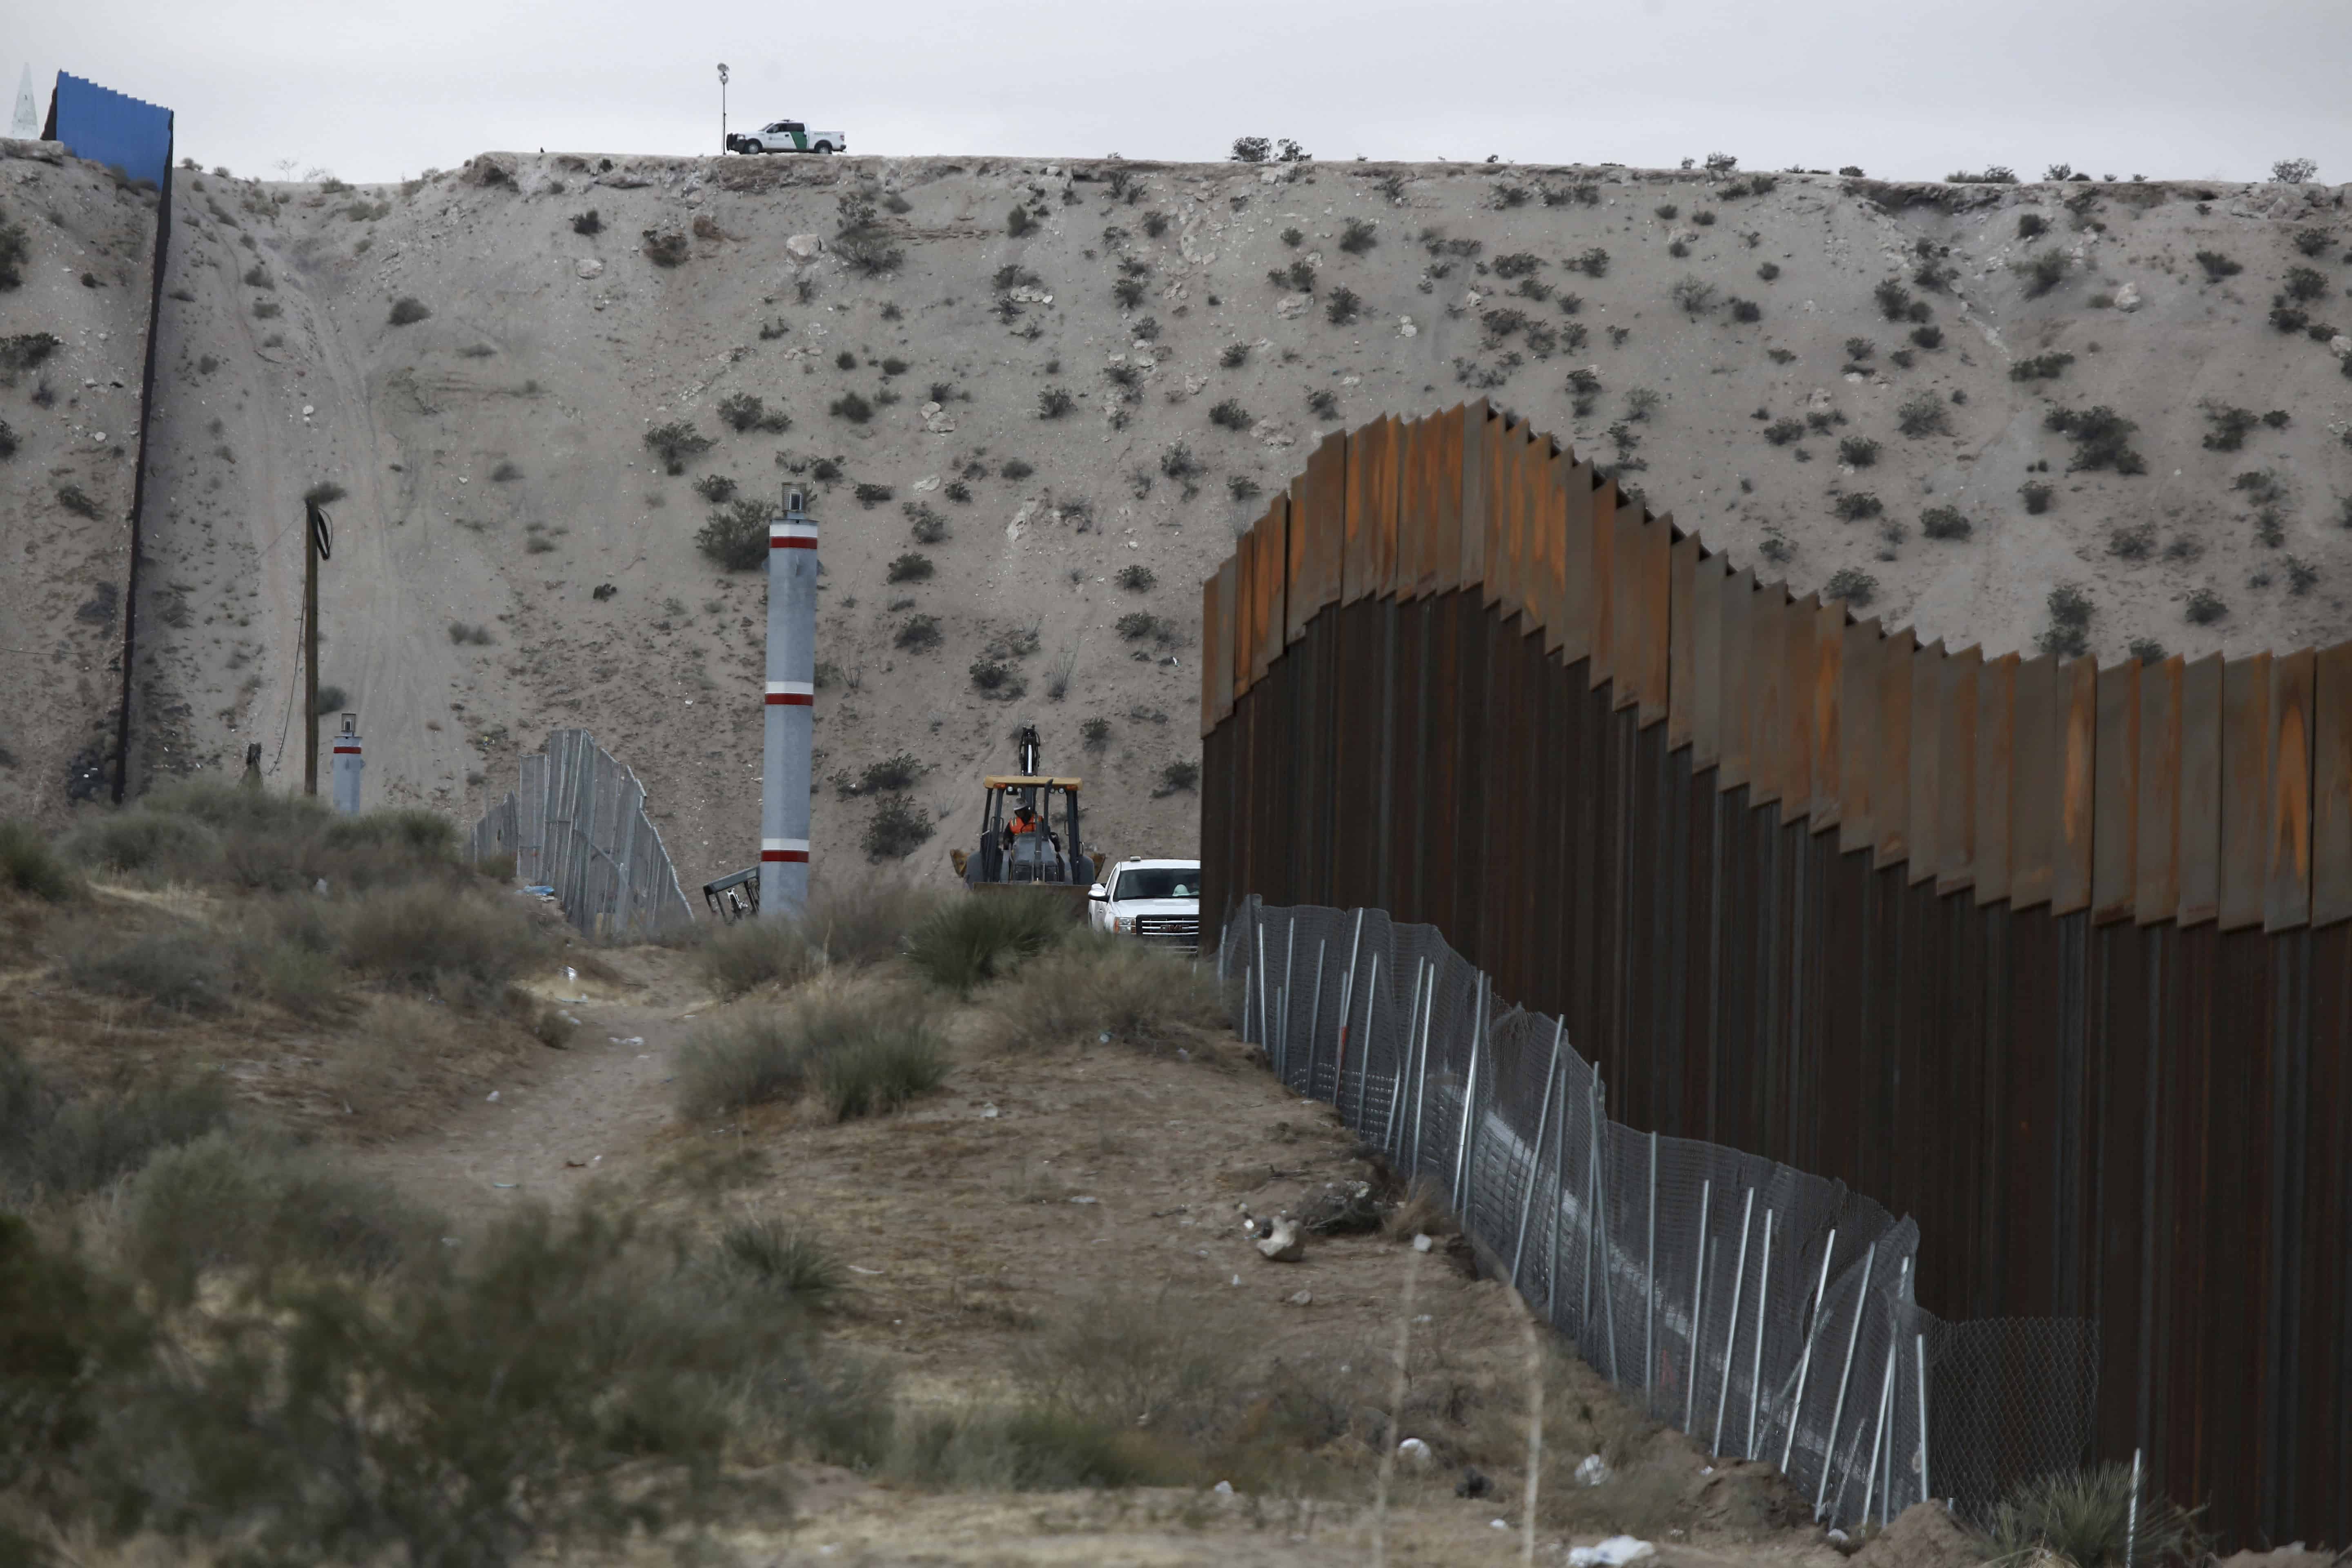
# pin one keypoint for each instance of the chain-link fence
(1768, 1312)
(576, 825)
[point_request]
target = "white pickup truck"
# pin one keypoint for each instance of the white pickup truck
(787, 136)
(1158, 902)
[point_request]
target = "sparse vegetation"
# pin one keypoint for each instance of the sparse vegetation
(2041, 272)
(2086, 1517)
(2218, 265)
(897, 829)
(2102, 439)
(1177, 778)
(2036, 496)
(1358, 235)
(1858, 452)
(1854, 585)
(1855, 505)
(743, 411)
(587, 221)
(849, 406)
(1342, 306)
(1053, 402)
(677, 443)
(735, 537)
(1924, 414)
(910, 567)
(2068, 635)
(2205, 607)
(1945, 523)
(919, 635)
(964, 943)
(1693, 295)
(408, 310)
(2041, 367)
(1230, 414)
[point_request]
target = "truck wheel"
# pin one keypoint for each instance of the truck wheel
(824, 147)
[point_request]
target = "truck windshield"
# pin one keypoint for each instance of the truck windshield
(1159, 882)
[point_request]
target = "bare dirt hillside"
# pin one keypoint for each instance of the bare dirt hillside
(1056, 372)
(73, 346)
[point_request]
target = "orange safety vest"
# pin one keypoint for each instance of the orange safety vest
(1021, 825)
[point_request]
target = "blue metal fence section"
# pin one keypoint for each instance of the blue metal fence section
(111, 127)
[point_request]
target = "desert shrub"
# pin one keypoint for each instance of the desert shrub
(2294, 171)
(2036, 496)
(2068, 632)
(464, 947)
(1858, 452)
(559, 1384)
(866, 920)
(870, 495)
(2132, 542)
(1230, 414)
(2311, 241)
(2102, 439)
(2304, 284)
(56, 1141)
(911, 567)
(1855, 586)
(784, 1259)
(1358, 235)
(1021, 1451)
(30, 865)
(969, 941)
(1019, 221)
(76, 501)
(717, 488)
(675, 443)
(2289, 319)
(1945, 523)
(2041, 272)
(2205, 607)
(1176, 778)
(1127, 1357)
(1053, 402)
(1593, 263)
(221, 1202)
(2218, 265)
(1140, 626)
(743, 411)
(1893, 299)
(1342, 306)
(865, 1050)
(994, 676)
(2041, 367)
(927, 525)
(752, 952)
(2031, 226)
(919, 635)
(1692, 294)
(2086, 1517)
(2148, 650)
(881, 1068)
(182, 971)
(1743, 310)
(1927, 337)
(1094, 984)
(1855, 505)
(2302, 576)
(899, 829)
(8, 441)
(736, 537)
(1137, 578)
(587, 221)
(1925, 415)
(1994, 175)
(851, 406)
(408, 310)
(24, 352)
(1241, 487)
(1780, 432)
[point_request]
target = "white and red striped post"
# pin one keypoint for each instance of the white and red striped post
(348, 764)
(791, 713)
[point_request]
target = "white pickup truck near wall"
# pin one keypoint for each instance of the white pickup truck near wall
(1158, 902)
(787, 136)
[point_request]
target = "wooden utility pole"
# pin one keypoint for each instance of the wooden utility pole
(318, 544)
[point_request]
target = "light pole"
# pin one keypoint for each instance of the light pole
(722, 108)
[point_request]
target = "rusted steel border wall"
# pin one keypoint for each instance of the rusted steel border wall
(2051, 957)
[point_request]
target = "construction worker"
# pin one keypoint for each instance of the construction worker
(1024, 823)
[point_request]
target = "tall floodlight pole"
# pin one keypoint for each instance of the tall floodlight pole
(318, 544)
(791, 713)
(722, 106)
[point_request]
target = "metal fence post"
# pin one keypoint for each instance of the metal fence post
(1731, 1338)
(1469, 1108)
(1420, 1081)
(1257, 928)
(1404, 1064)
(1763, 1319)
(1559, 1202)
(1592, 1185)
(1313, 1016)
(1837, 1411)
(1601, 1197)
(1364, 1054)
(2131, 1513)
(1650, 1292)
(1805, 1357)
(1289, 952)
(1920, 1365)
(1698, 1307)
(1535, 1166)
(1347, 1012)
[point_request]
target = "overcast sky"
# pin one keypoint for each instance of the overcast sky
(1908, 88)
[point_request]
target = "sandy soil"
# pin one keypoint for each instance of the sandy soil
(75, 420)
(497, 476)
(1031, 1180)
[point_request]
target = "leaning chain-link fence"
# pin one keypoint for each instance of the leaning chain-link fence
(1768, 1312)
(576, 824)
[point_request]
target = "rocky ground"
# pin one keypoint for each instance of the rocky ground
(73, 344)
(1034, 376)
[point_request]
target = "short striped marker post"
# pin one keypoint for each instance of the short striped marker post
(790, 715)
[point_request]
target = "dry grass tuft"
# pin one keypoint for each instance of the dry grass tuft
(968, 942)
(1093, 985)
(749, 953)
(865, 1049)
(460, 947)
